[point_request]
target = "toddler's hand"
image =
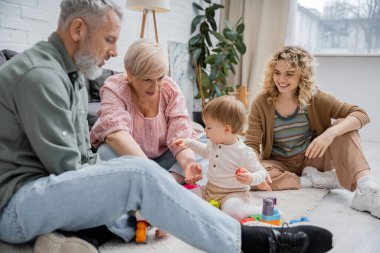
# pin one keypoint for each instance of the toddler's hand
(179, 143)
(243, 176)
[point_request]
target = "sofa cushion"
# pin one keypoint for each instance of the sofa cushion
(91, 114)
(6, 55)
(95, 85)
(93, 88)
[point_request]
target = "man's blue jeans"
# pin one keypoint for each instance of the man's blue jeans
(166, 161)
(101, 193)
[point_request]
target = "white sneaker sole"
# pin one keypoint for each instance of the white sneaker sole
(355, 207)
(55, 243)
(310, 171)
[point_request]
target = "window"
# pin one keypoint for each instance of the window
(338, 26)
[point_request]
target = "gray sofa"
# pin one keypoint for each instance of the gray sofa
(93, 87)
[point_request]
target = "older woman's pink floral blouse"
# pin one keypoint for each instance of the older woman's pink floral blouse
(154, 135)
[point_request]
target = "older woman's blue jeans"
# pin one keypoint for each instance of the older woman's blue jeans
(101, 193)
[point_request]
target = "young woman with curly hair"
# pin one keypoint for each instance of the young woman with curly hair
(306, 137)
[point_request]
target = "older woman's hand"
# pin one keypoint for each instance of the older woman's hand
(193, 173)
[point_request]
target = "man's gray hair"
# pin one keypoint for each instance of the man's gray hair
(89, 10)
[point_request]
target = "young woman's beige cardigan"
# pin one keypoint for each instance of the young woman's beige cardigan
(322, 108)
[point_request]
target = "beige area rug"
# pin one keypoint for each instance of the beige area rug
(292, 204)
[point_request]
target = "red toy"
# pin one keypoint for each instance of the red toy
(247, 220)
(191, 186)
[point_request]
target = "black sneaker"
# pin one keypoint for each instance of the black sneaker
(287, 242)
(261, 237)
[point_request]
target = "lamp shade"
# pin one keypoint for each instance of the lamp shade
(156, 5)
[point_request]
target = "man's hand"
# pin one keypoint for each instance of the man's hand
(193, 173)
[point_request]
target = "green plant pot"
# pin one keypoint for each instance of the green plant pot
(197, 117)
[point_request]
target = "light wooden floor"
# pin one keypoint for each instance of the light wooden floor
(353, 231)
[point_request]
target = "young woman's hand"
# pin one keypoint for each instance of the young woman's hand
(265, 186)
(319, 145)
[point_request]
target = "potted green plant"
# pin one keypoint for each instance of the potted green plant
(212, 63)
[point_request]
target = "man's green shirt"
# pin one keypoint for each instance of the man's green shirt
(43, 116)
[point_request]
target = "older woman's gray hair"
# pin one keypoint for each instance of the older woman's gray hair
(89, 10)
(146, 60)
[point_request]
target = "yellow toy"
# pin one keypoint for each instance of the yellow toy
(215, 203)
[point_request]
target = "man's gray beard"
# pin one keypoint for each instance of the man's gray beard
(87, 64)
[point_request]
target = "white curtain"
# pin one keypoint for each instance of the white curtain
(267, 24)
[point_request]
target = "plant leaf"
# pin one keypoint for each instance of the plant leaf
(194, 40)
(218, 91)
(197, 7)
(205, 79)
(232, 68)
(210, 13)
(196, 55)
(204, 28)
(228, 24)
(210, 59)
(219, 59)
(217, 6)
(229, 34)
(217, 50)
(219, 36)
(240, 28)
(196, 21)
(235, 53)
(213, 24)
(240, 46)
(208, 39)
(212, 74)
(240, 20)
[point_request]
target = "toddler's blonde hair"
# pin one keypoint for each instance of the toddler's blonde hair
(228, 111)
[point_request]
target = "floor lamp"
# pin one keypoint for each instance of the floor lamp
(155, 6)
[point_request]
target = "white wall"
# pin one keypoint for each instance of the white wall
(352, 79)
(356, 80)
(25, 22)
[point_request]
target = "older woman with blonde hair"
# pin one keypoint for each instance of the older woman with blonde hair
(291, 129)
(143, 111)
